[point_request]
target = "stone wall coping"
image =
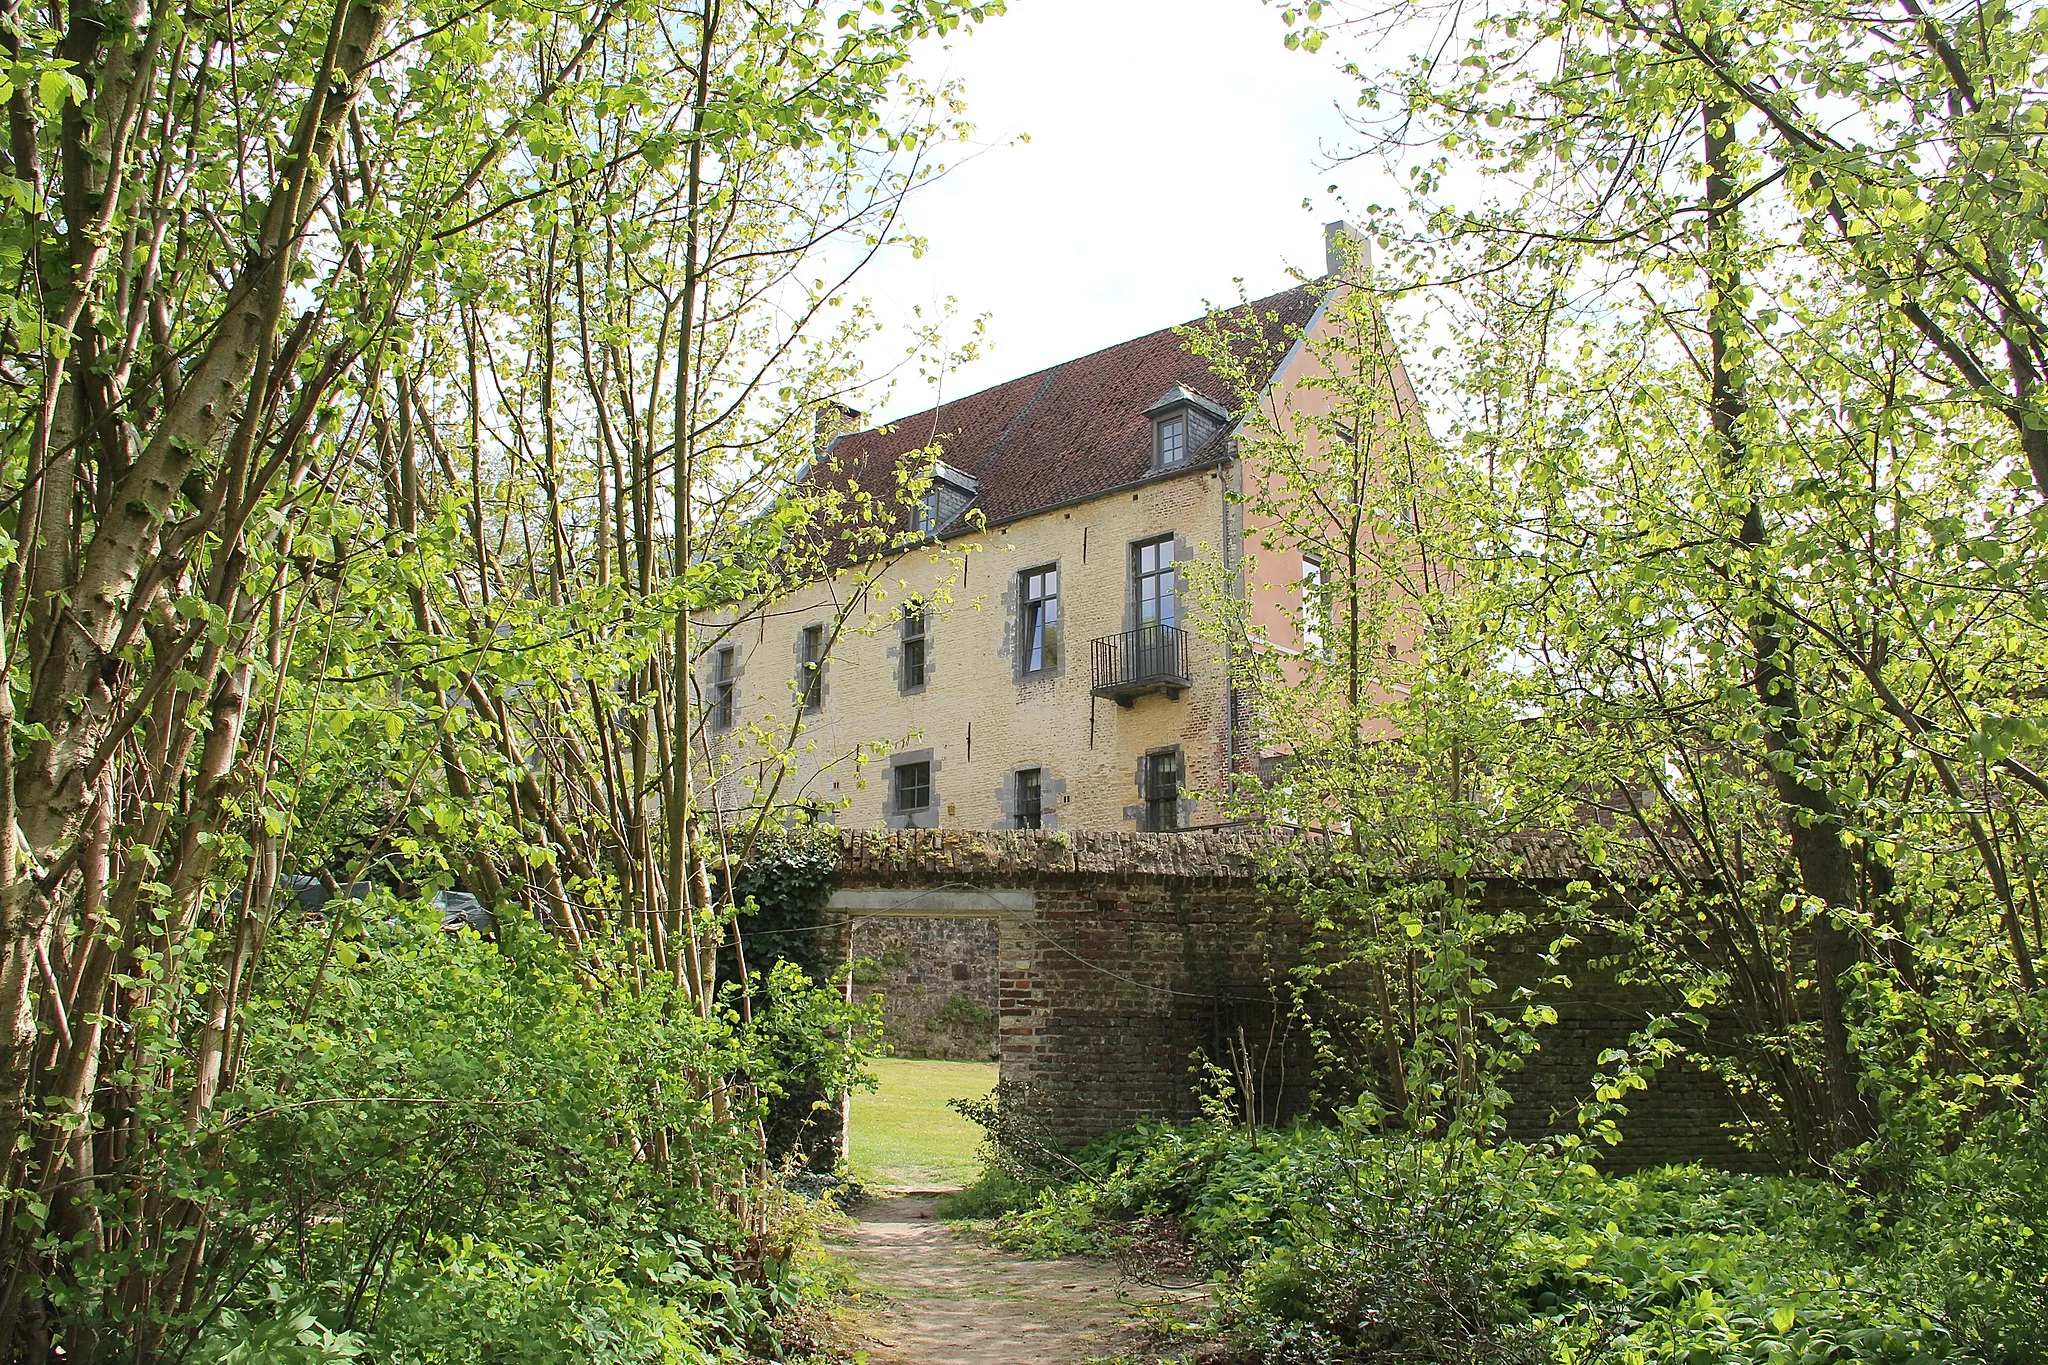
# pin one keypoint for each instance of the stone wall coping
(1230, 854)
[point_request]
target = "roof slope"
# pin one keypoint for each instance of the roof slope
(1077, 430)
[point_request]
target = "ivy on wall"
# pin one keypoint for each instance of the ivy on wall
(783, 929)
(782, 892)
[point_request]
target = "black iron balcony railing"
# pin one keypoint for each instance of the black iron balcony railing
(1137, 662)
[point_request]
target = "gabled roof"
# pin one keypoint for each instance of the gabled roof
(1077, 430)
(1180, 396)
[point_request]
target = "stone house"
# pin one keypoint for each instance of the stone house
(1034, 662)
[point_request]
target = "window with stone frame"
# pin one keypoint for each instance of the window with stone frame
(1155, 582)
(724, 672)
(1030, 798)
(1039, 592)
(1315, 606)
(811, 667)
(913, 786)
(911, 653)
(1161, 785)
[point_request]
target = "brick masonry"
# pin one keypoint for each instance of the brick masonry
(1143, 952)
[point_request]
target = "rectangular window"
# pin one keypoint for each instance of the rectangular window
(928, 512)
(912, 651)
(1155, 582)
(1162, 793)
(1039, 589)
(913, 787)
(1312, 605)
(811, 667)
(1173, 442)
(724, 668)
(1030, 799)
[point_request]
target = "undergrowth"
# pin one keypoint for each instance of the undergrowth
(1333, 1244)
(444, 1153)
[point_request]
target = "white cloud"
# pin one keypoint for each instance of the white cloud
(1172, 144)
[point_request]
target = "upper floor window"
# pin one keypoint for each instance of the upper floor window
(1160, 778)
(1170, 437)
(1030, 799)
(1313, 608)
(912, 654)
(724, 670)
(1155, 582)
(811, 667)
(1039, 592)
(913, 786)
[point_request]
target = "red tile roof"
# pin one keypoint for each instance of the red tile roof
(1077, 430)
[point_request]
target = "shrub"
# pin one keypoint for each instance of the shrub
(1336, 1244)
(1979, 1219)
(448, 1150)
(996, 1192)
(1399, 1256)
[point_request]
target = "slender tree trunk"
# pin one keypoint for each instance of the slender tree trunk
(1814, 823)
(682, 878)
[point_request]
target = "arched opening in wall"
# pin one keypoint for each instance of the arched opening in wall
(931, 958)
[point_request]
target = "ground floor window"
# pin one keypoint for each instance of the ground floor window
(1030, 799)
(1161, 782)
(913, 786)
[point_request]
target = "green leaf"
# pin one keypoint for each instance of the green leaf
(55, 86)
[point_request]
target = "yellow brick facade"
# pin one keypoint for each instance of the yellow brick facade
(979, 717)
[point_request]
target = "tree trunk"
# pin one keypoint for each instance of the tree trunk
(1814, 823)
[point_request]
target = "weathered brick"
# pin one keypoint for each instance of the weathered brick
(1145, 951)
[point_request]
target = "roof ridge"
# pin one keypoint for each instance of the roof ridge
(1076, 430)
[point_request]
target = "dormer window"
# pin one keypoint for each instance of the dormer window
(950, 493)
(1185, 426)
(1170, 443)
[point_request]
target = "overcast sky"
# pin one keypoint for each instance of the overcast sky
(1172, 144)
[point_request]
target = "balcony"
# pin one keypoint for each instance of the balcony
(1140, 662)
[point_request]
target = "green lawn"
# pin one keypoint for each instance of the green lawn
(905, 1137)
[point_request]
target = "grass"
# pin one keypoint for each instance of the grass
(904, 1136)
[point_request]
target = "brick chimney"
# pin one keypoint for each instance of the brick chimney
(1344, 246)
(832, 419)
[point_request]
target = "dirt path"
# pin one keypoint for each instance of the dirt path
(951, 1300)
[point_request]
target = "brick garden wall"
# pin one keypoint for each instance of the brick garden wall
(1141, 952)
